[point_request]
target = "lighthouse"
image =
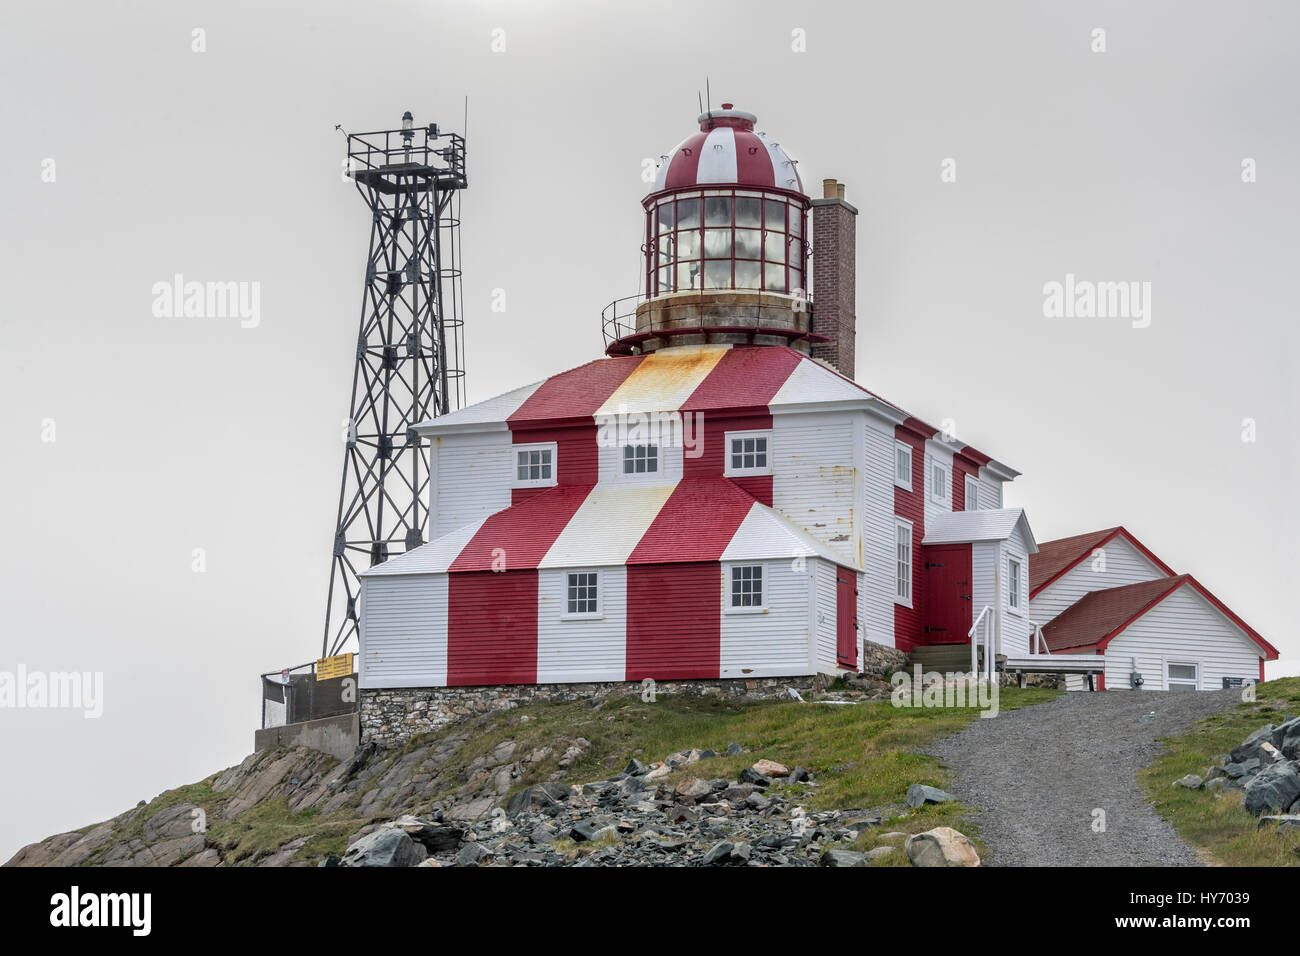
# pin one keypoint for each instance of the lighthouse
(727, 250)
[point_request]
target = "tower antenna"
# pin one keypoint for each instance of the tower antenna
(408, 352)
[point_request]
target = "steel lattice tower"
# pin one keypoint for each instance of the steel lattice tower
(408, 366)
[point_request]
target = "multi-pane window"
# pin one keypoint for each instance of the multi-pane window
(972, 493)
(747, 453)
(534, 465)
(1014, 579)
(726, 239)
(583, 595)
(903, 561)
(640, 459)
(903, 465)
(1181, 676)
(938, 482)
(747, 586)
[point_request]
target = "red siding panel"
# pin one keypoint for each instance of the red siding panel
(960, 469)
(712, 461)
(576, 453)
(492, 628)
(674, 621)
(908, 621)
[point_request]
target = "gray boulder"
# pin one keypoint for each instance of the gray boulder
(842, 858)
(919, 794)
(1273, 789)
(1250, 746)
(1190, 782)
(387, 846)
(547, 797)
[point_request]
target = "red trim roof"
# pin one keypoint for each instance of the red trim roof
(1055, 558)
(1099, 617)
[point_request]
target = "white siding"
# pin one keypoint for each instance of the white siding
(403, 640)
(824, 575)
(990, 495)
(581, 649)
(984, 567)
(1015, 623)
(775, 641)
(936, 454)
(876, 584)
(1184, 628)
(471, 479)
(815, 478)
(1125, 564)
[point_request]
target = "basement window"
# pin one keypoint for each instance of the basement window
(903, 465)
(903, 562)
(1181, 676)
(640, 459)
(747, 453)
(582, 594)
(746, 587)
(535, 465)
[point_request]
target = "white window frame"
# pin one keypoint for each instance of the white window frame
(1195, 682)
(902, 446)
(655, 475)
(936, 496)
(972, 493)
(1016, 585)
(905, 527)
(759, 608)
(516, 450)
(730, 471)
(568, 615)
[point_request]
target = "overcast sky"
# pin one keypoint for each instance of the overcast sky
(176, 434)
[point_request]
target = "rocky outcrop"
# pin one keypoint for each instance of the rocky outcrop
(1265, 766)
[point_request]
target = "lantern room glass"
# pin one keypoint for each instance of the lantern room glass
(725, 239)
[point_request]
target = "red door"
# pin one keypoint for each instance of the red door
(947, 593)
(846, 618)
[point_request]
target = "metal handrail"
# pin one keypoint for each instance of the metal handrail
(618, 320)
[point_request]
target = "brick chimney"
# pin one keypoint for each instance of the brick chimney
(834, 289)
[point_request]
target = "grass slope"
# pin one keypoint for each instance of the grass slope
(1218, 824)
(864, 756)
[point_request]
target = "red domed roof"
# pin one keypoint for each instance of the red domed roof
(726, 150)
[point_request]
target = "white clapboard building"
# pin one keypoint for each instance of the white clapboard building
(717, 498)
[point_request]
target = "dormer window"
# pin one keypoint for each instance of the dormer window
(748, 453)
(640, 459)
(535, 465)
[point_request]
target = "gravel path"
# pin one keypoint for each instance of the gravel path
(1037, 774)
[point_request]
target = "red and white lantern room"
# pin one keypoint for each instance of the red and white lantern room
(718, 498)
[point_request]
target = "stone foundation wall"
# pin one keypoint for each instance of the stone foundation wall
(392, 716)
(878, 660)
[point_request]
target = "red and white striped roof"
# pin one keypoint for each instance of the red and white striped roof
(605, 525)
(727, 151)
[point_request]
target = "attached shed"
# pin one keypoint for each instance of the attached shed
(976, 560)
(1169, 633)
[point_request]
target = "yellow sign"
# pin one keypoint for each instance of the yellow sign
(327, 668)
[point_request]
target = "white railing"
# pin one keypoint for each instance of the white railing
(986, 619)
(1038, 643)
